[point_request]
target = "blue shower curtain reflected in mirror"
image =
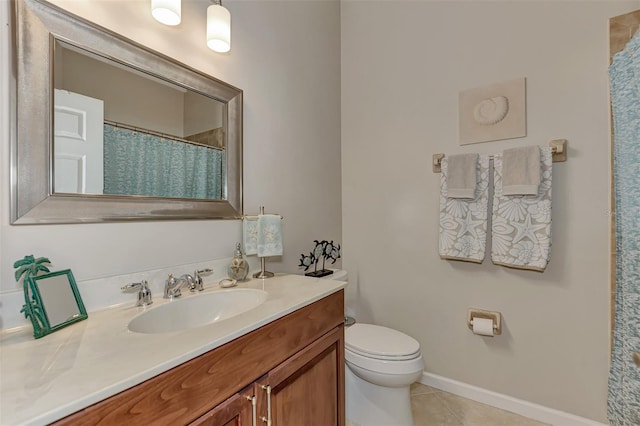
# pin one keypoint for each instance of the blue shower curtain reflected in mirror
(624, 380)
(137, 163)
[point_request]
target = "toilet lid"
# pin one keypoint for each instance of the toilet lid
(375, 341)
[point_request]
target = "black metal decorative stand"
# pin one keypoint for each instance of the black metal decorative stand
(320, 273)
(323, 250)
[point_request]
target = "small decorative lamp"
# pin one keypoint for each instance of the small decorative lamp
(218, 28)
(167, 12)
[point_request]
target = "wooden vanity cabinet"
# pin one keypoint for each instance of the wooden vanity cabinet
(305, 390)
(294, 365)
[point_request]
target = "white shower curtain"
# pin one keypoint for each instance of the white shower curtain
(624, 381)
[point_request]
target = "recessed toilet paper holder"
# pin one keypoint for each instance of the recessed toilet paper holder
(495, 316)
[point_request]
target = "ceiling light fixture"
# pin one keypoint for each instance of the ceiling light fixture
(218, 28)
(167, 12)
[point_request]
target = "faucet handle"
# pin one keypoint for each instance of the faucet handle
(144, 293)
(131, 286)
(197, 277)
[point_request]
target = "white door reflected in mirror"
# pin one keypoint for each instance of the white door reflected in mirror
(78, 144)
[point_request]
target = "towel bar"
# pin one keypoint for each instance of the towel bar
(558, 151)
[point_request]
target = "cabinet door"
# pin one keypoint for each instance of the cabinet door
(235, 411)
(308, 388)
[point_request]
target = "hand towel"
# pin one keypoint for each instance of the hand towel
(521, 170)
(250, 235)
(463, 223)
(521, 225)
(269, 235)
(462, 176)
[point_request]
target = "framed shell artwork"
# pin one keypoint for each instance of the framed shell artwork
(492, 112)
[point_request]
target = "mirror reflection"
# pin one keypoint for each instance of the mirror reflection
(119, 131)
(58, 299)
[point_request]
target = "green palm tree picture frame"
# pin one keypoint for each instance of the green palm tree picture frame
(52, 299)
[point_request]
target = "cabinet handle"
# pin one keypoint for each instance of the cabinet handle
(268, 418)
(254, 415)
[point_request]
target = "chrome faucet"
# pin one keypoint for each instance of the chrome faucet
(189, 281)
(144, 294)
(197, 276)
(173, 285)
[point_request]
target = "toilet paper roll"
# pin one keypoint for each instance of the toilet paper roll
(483, 326)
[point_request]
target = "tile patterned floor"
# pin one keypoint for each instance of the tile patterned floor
(433, 407)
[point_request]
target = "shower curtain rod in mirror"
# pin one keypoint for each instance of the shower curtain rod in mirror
(161, 135)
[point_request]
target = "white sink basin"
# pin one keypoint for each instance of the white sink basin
(195, 311)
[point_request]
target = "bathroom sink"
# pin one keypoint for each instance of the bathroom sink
(195, 311)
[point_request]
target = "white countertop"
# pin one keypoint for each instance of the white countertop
(47, 379)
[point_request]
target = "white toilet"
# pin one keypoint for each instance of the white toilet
(382, 363)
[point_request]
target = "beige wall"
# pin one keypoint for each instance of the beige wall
(403, 65)
(129, 98)
(201, 113)
(286, 58)
(139, 101)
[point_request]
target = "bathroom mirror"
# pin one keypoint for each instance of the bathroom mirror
(164, 141)
(185, 114)
(55, 302)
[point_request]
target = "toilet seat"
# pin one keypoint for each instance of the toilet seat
(383, 367)
(380, 343)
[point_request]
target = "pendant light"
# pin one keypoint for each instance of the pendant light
(167, 12)
(218, 28)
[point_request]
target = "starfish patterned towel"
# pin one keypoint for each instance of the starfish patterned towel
(463, 222)
(521, 224)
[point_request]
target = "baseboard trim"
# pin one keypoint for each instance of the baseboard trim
(505, 402)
